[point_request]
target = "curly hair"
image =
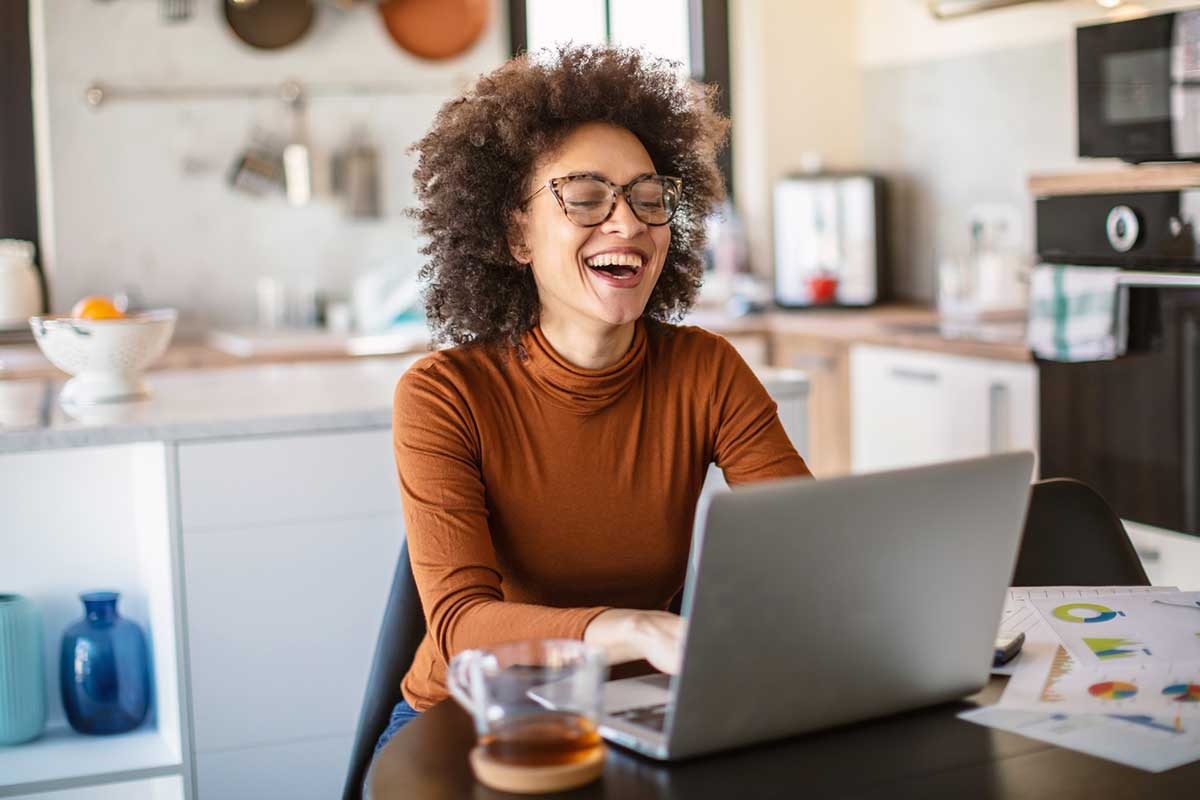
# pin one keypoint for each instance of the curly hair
(475, 164)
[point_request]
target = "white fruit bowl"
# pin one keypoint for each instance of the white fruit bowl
(106, 356)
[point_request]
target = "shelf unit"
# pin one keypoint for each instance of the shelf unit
(1130, 178)
(96, 517)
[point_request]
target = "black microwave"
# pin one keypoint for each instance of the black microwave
(1138, 84)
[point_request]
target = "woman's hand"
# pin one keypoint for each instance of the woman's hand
(628, 634)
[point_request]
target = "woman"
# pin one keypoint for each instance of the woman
(550, 463)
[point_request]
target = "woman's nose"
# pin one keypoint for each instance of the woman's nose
(622, 220)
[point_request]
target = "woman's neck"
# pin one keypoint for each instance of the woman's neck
(589, 348)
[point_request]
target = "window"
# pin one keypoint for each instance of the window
(692, 32)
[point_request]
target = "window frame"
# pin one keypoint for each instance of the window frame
(708, 35)
(18, 176)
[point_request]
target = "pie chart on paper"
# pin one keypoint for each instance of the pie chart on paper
(1112, 690)
(1183, 692)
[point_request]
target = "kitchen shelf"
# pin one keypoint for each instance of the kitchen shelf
(1139, 178)
(62, 757)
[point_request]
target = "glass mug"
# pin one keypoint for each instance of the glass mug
(535, 705)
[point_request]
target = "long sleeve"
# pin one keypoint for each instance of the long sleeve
(437, 446)
(749, 441)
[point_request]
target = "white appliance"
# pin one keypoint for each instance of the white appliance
(829, 240)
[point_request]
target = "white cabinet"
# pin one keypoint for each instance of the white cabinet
(289, 546)
(912, 407)
(1169, 558)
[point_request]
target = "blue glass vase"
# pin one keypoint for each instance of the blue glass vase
(22, 674)
(104, 671)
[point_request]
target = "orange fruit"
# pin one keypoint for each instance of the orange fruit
(96, 307)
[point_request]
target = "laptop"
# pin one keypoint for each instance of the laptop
(814, 603)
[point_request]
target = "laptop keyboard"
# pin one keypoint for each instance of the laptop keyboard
(653, 717)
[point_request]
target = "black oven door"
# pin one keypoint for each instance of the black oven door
(1131, 427)
(1139, 88)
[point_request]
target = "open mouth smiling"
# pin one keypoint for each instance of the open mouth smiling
(619, 265)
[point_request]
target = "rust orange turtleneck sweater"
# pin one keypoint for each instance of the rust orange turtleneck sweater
(538, 494)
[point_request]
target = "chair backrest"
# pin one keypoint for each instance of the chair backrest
(401, 632)
(1073, 538)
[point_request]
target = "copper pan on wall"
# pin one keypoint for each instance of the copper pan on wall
(269, 24)
(435, 29)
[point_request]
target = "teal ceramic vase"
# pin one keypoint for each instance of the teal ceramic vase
(22, 674)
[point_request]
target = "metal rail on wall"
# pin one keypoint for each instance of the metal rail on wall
(99, 93)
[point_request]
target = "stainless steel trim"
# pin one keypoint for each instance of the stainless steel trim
(1162, 280)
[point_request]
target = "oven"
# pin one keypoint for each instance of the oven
(1130, 427)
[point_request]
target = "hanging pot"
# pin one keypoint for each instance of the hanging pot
(435, 29)
(269, 24)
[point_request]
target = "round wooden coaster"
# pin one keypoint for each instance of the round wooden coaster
(535, 780)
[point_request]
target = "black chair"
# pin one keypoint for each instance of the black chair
(1073, 538)
(401, 632)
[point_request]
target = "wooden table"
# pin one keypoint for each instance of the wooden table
(922, 754)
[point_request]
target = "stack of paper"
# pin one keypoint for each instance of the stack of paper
(1112, 671)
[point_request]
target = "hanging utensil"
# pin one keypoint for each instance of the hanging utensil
(356, 177)
(435, 29)
(175, 10)
(297, 161)
(269, 24)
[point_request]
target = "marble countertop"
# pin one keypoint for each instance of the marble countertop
(260, 399)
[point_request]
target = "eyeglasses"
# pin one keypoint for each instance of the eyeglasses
(589, 200)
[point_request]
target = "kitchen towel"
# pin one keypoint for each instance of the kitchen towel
(1077, 313)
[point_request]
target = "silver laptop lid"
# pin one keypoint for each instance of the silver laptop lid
(813, 603)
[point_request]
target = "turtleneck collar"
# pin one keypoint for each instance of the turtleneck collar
(583, 391)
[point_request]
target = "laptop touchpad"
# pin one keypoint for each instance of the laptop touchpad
(645, 690)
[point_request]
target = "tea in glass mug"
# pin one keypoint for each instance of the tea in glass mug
(535, 705)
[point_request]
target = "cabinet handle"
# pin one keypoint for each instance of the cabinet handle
(906, 374)
(1148, 555)
(998, 418)
(812, 362)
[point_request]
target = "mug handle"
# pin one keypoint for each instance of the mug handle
(458, 678)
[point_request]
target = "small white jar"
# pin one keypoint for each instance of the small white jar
(20, 290)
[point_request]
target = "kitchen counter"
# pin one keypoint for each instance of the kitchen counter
(254, 400)
(191, 404)
(898, 325)
(913, 327)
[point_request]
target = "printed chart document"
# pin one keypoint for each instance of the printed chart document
(1136, 741)
(1128, 692)
(1020, 615)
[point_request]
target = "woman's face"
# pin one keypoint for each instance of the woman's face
(564, 256)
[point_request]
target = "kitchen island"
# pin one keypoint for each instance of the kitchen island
(251, 520)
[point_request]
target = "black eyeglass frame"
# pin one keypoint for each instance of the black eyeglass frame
(555, 185)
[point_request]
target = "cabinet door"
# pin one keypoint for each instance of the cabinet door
(289, 546)
(899, 409)
(826, 362)
(914, 407)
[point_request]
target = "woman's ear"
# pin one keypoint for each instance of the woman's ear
(516, 238)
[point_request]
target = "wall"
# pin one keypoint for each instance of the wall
(958, 112)
(133, 194)
(795, 85)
